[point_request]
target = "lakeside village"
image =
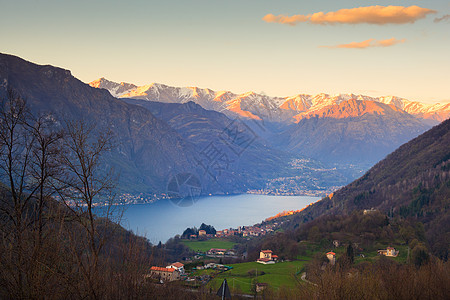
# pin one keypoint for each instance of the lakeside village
(217, 258)
(308, 183)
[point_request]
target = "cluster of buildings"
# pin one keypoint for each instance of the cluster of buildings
(244, 231)
(201, 234)
(214, 266)
(248, 231)
(390, 251)
(127, 198)
(215, 252)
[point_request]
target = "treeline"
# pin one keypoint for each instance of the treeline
(209, 229)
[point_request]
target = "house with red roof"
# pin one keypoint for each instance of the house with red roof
(267, 257)
(177, 266)
(331, 257)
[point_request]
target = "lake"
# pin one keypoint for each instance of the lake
(164, 219)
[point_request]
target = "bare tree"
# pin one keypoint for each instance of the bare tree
(15, 145)
(86, 183)
(48, 249)
(27, 162)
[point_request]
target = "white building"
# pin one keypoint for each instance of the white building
(177, 266)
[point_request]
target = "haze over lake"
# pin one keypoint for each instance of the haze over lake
(163, 219)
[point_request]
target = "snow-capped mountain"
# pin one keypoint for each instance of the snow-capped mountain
(261, 107)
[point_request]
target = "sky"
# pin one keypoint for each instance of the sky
(280, 48)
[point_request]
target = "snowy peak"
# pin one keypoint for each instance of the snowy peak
(116, 89)
(351, 108)
(276, 109)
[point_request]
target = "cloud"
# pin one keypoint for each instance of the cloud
(444, 18)
(368, 44)
(377, 14)
(285, 19)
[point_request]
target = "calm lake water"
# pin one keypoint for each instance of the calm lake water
(163, 219)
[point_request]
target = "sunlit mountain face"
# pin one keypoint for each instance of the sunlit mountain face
(276, 109)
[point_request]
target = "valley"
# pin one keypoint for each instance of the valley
(330, 185)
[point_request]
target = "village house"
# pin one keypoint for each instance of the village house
(177, 266)
(389, 252)
(267, 257)
(202, 233)
(331, 257)
(216, 251)
(164, 274)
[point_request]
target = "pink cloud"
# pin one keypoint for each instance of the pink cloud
(368, 44)
(285, 19)
(379, 15)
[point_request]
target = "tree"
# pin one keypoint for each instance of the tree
(350, 253)
(420, 255)
(53, 247)
(208, 228)
(85, 183)
(27, 163)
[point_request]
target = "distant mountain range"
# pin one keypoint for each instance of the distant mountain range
(276, 109)
(232, 143)
(156, 141)
(353, 129)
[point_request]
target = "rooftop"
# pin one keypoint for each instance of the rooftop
(162, 269)
(177, 264)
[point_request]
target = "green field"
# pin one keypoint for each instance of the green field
(204, 246)
(276, 275)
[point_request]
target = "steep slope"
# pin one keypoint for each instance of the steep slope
(412, 182)
(148, 149)
(353, 131)
(207, 129)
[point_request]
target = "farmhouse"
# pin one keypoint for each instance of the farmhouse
(216, 251)
(267, 257)
(177, 266)
(389, 252)
(164, 274)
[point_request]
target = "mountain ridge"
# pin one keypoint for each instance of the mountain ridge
(252, 105)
